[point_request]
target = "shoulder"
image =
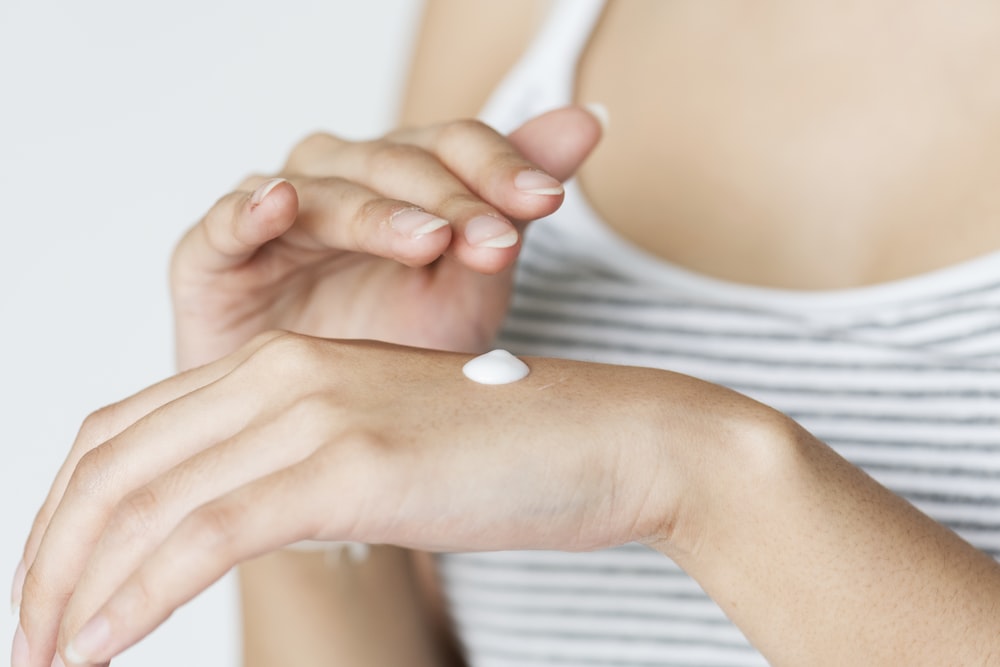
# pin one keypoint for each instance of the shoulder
(463, 50)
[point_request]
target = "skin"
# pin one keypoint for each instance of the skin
(718, 474)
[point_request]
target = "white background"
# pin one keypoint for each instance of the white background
(121, 122)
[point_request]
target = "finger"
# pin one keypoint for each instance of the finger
(560, 140)
(485, 236)
(490, 166)
(145, 517)
(262, 516)
(339, 214)
(58, 546)
(503, 170)
(517, 172)
(237, 226)
(112, 420)
(104, 476)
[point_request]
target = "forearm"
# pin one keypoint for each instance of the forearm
(298, 610)
(818, 564)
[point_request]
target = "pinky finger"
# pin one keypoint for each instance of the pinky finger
(251, 520)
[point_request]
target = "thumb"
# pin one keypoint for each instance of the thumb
(559, 141)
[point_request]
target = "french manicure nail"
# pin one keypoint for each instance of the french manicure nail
(600, 112)
(17, 587)
(19, 655)
(262, 191)
(415, 223)
(89, 642)
(485, 231)
(537, 183)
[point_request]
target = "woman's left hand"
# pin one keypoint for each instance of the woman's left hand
(295, 438)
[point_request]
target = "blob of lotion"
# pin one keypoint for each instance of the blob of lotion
(496, 367)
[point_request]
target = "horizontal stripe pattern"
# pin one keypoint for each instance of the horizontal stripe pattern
(908, 390)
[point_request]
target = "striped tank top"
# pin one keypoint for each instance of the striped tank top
(902, 379)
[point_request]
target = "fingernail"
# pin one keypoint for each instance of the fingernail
(19, 652)
(262, 191)
(17, 586)
(415, 223)
(57, 662)
(537, 183)
(89, 642)
(600, 112)
(485, 231)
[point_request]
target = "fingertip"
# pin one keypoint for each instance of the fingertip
(277, 195)
(271, 211)
(537, 182)
(260, 194)
(91, 642)
(420, 238)
(488, 261)
(558, 141)
(487, 245)
(415, 223)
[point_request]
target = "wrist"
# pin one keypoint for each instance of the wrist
(731, 450)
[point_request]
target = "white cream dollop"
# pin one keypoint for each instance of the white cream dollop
(496, 367)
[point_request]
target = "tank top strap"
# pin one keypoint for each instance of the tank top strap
(545, 75)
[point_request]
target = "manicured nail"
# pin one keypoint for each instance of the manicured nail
(537, 183)
(485, 231)
(90, 642)
(415, 223)
(57, 662)
(19, 656)
(17, 586)
(600, 112)
(264, 189)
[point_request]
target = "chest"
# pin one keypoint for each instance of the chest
(798, 144)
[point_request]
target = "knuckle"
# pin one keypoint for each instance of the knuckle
(288, 354)
(390, 154)
(214, 527)
(38, 599)
(374, 212)
(99, 426)
(457, 202)
(262, 338)
(93, 474)
(136, 514)
(305, 152)
(459, 130)
(505, 159)
(142, 594)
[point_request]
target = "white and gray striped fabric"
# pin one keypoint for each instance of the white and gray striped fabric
(903, 379)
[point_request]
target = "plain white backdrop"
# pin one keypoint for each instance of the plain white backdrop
(121, 122)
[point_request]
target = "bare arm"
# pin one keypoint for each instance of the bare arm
(818, 564)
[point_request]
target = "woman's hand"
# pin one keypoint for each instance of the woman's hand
(407, 239)
(296, 438)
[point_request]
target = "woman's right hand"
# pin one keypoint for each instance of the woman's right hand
(408, 239)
